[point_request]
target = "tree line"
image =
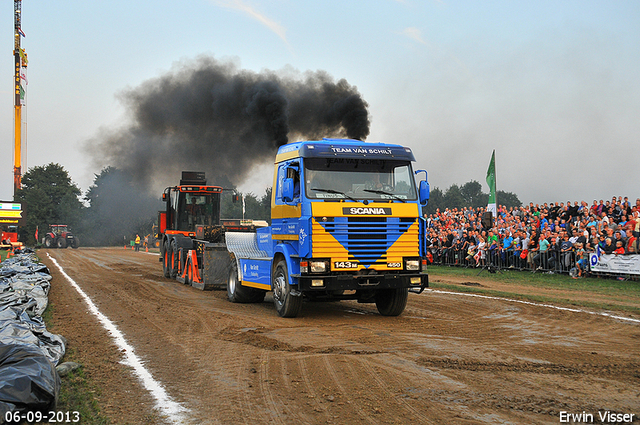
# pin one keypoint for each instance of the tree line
(468, 195)
(111, 212)
(114, 209)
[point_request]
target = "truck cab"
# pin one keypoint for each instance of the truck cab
(346, 224)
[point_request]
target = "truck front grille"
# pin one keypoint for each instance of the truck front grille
(366, 239)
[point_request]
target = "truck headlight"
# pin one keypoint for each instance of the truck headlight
(412, 265)
(318, 266)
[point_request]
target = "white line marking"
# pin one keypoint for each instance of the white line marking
(573, 310)
(174, 411)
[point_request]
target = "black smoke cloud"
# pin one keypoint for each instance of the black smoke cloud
(211, 116)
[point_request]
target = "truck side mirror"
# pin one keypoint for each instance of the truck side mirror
(164, 197)
(424, 192)
(235, 197)
(287, 190)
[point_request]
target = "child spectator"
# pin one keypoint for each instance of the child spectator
(581, 262)
(619, 248)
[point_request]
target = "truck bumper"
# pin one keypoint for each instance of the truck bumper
(417, 281)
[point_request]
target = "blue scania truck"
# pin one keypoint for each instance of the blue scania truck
(345, 224)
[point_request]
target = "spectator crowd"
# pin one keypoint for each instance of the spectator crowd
(554, 237)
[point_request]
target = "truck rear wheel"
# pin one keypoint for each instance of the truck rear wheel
(48, 242)
(287, 304)
(391, 302)
(62, 243)
(238, 293)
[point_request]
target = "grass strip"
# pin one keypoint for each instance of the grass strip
(534, 298)
(623, 291)
(77, 391)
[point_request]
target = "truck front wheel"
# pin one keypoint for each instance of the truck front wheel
(287, 304)
(391, 302)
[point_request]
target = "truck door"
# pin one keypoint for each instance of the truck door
(286, 211)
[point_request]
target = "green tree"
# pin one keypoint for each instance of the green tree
(468, 195)
(48, 196)
(256, 209)
(436, 200)
(118, 209)
(508, 199)
(453, 197)
(472, 194)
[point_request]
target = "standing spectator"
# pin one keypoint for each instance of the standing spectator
(482, 252)
(566, 250)
(581, 262)
(533, 248)
(493, 243)
(539, 259)
(507, 248)
(632, 245)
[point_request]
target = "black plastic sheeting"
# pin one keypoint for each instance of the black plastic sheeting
(28, 352)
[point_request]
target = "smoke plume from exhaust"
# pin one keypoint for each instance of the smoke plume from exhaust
(211, 116)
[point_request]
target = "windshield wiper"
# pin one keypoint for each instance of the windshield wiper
(334, 191)
(382, 192)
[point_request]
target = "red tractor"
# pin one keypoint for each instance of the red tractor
(60, 237)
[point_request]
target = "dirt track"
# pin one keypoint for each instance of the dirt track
(447, 359)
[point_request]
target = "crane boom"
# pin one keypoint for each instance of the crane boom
(20, 58)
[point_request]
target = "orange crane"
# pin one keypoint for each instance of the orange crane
(20, 74)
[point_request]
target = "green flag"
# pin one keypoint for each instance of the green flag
(491, 181)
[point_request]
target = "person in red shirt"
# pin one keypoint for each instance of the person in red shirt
(619, 248)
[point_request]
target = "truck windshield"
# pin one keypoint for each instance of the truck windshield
(358, 178)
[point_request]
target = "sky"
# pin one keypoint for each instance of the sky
(552, 86)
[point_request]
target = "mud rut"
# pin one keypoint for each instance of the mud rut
(447, 359)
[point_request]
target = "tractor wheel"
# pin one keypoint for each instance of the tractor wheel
(75, 243)
(238, 293)
(391, 302)
(62, 243)
(287, 304)
(48, 242)
(188, 278)
(166, 269)
(174, 259)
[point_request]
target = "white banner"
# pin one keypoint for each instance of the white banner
(622, 264)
